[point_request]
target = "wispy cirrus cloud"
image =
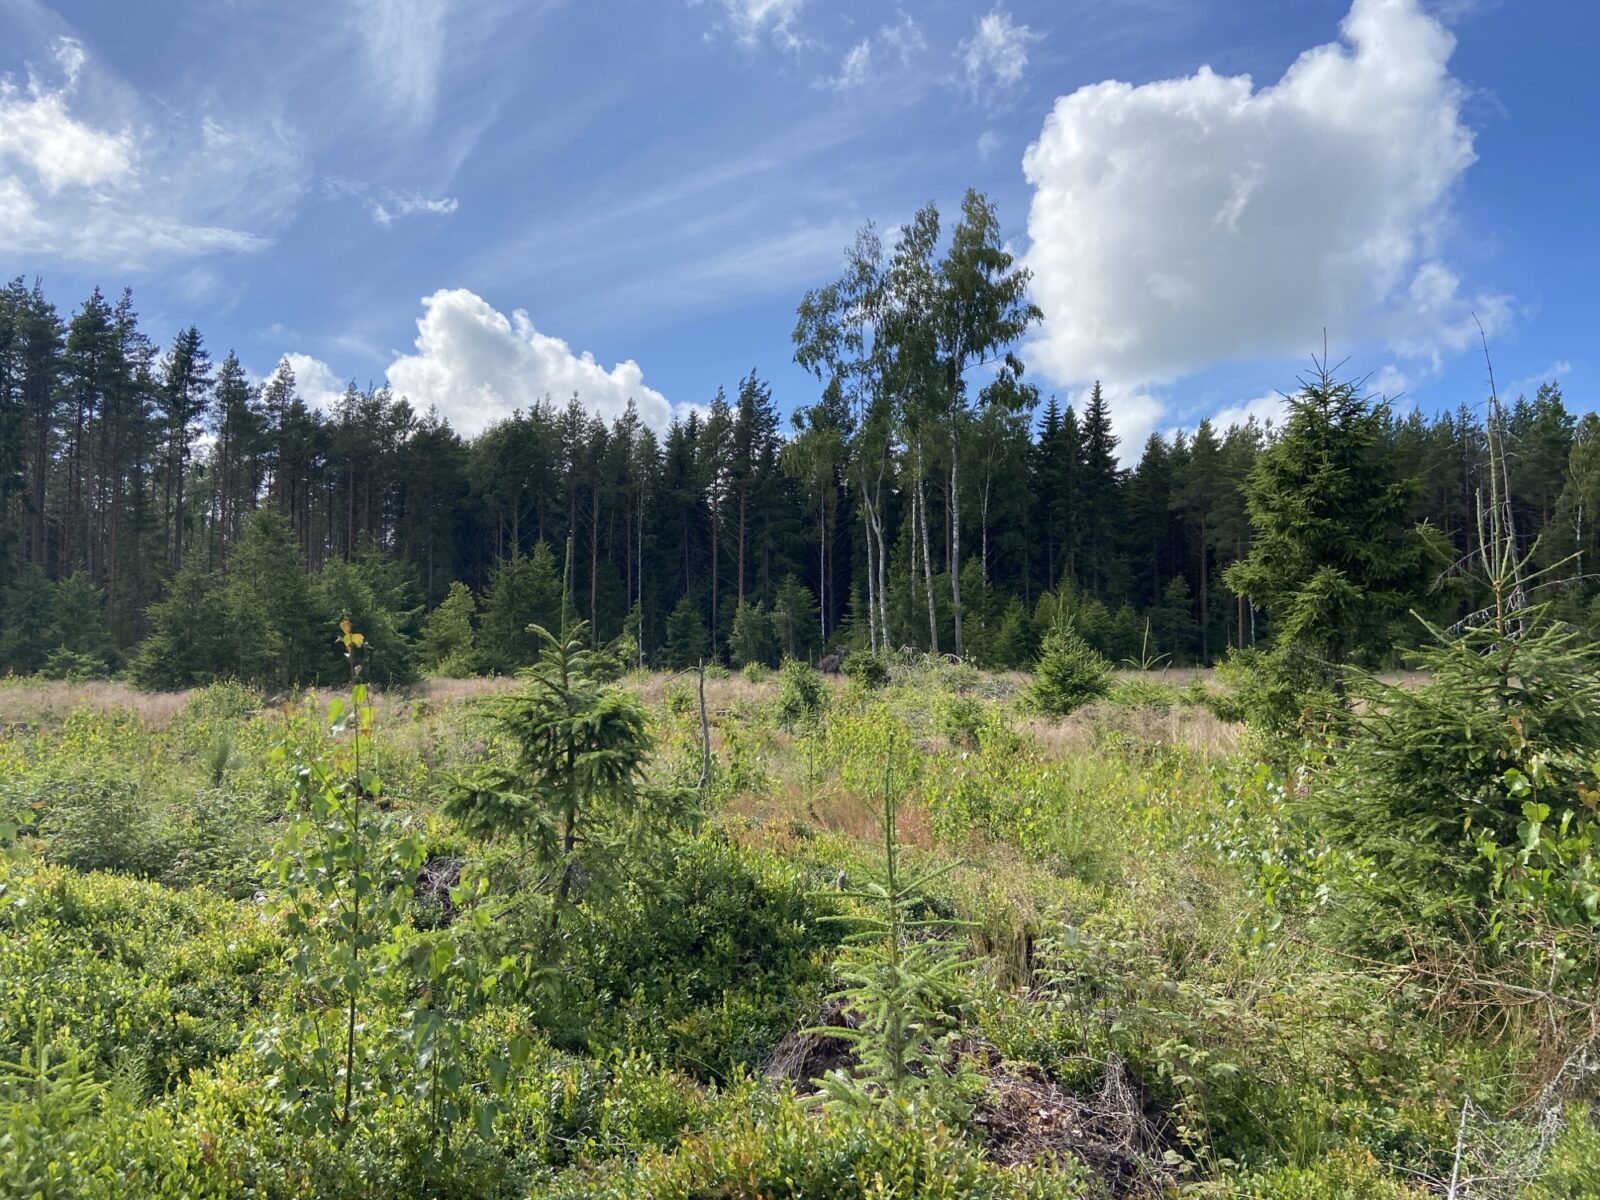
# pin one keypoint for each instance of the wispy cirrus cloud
(751, 22)
(891, 49)
(396, 206)
(404, 43)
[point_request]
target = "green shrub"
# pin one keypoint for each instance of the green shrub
(1348, 1173)
(1142, 693)
(1468, 799)
(215, 710)
(866, 668)
(98, 822)
(961, 718)
(681, 699)
(1571, 1166)
(1272, 693)
(129, 968)
(72, 666)
(705, 970)
(779, 1152)
(801, 694)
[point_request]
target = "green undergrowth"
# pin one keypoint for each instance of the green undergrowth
(1127, 889)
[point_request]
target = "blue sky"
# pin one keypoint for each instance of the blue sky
(629, 197)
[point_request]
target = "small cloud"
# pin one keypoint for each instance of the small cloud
(855, 70)
(988, 143)
(1389, 381)
(396, 205)
(996, 55)
(70, 58)
(752, 20)
(404, 42)
(314, 380)
(891, 48)
(904, 38)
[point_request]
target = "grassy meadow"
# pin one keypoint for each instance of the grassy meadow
(1144, 988)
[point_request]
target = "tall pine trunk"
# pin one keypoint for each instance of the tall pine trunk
(927, 552)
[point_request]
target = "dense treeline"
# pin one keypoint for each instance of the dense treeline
(158, 505)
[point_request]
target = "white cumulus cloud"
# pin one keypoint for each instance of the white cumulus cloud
(477, 366)
(314, 381)
(40, 136)
(1264, 410)
(1188, 222)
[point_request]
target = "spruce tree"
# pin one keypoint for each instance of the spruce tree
(686, 636)
(448, 645)
(1099, 495)
(523, 590)
(1334, 558)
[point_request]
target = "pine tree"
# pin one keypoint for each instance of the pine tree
(751, 640)
(27, 620)
(189, 640)
(185, 385)
(1197, 498)
(1070, 673)
(273, 629)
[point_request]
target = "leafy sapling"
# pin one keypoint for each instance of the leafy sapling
(348, 870)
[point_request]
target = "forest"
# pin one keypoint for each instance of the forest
(142, 487)
(911, 802)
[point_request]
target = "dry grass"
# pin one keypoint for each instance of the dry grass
(439, 691)
(651, 687)
(1178, 677)
(734, 691)
(1185, 725)
(776, 815)
(33, 701)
